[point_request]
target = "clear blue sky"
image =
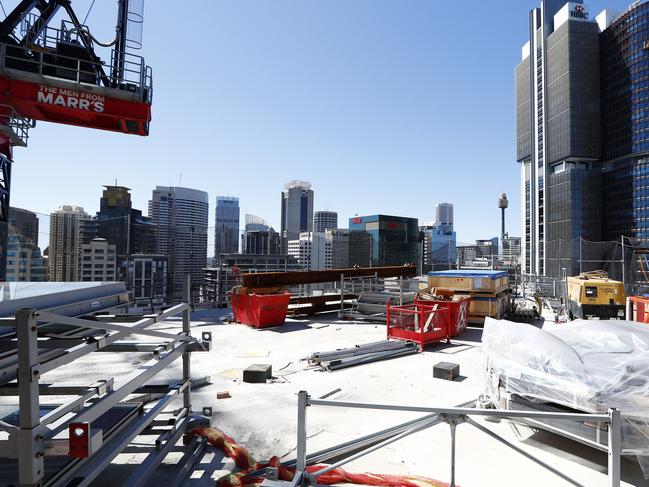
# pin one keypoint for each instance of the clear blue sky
(385, 106)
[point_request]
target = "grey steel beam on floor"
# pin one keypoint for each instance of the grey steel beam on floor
(369, 358)
(381, 346)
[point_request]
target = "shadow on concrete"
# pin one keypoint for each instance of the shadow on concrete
(584, 455)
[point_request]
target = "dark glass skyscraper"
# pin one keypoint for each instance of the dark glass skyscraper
(582, 123)
(383, 240)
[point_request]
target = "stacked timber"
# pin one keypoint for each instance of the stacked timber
(489, 290)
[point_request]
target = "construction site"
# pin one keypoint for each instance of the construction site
(383, 376)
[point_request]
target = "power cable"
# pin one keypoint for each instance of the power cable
(3, 8)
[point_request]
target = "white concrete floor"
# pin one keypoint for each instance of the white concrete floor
(262, 417)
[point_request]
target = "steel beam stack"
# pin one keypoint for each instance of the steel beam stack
(362, 354)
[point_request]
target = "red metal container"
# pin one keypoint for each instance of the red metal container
(260, 310)
(459, 312)
(640, 309)
(419, 322)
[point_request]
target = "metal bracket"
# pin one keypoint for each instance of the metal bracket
(34, 373)
(103, 387)
(452, 420)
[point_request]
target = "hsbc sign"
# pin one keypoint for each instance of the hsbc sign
(578, 12)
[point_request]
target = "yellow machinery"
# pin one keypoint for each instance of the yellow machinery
(593, 294)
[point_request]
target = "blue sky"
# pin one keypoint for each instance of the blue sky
(385, 106)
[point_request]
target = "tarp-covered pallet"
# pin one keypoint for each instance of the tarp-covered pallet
(589, 366)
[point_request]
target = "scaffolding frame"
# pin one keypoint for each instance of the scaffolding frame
(453, 417)
(37, 436)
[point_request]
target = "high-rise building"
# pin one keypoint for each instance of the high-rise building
(383, 240)
(482, 254)
(261, 242)
(98, 261)
(259, 238)
(65, 244)
(25, 223)
(582, 137)
(324, 220)
(444, 215)
(226, 225)
(339, 238)
(439, 252)
(24, 260)
(122, 226)
(147, 278)
(181, 216)
(312, 250)
(511, 251)
(297, 211)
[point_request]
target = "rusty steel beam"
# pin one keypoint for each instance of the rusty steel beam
(272, 279)
(319, 300)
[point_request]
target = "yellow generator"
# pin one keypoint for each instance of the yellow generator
(593, 294)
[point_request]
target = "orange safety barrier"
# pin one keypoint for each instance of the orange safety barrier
(247, 463)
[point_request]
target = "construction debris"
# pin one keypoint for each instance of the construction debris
(446, 371)
(223, 395)
(258, 373)
(362, 354)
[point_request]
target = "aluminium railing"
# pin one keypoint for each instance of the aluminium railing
(453, 416)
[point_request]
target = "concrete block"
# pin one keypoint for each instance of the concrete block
(258, 373)
(446, 371)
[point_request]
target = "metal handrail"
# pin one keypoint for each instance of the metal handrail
(134, 73)
(454, 416)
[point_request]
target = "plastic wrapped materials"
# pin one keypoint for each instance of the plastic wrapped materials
(589, 366)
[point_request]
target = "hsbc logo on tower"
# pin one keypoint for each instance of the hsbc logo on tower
(579, 12)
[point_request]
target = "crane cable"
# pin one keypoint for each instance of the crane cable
(3, 8)
(85, 18)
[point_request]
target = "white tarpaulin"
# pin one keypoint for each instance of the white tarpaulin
(585, 365)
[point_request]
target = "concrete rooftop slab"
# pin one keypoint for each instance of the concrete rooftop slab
(263, 417)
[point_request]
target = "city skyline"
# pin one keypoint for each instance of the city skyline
(372, 103)
(342, 218)
(378, 111)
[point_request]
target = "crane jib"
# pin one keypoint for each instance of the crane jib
(75, 106)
